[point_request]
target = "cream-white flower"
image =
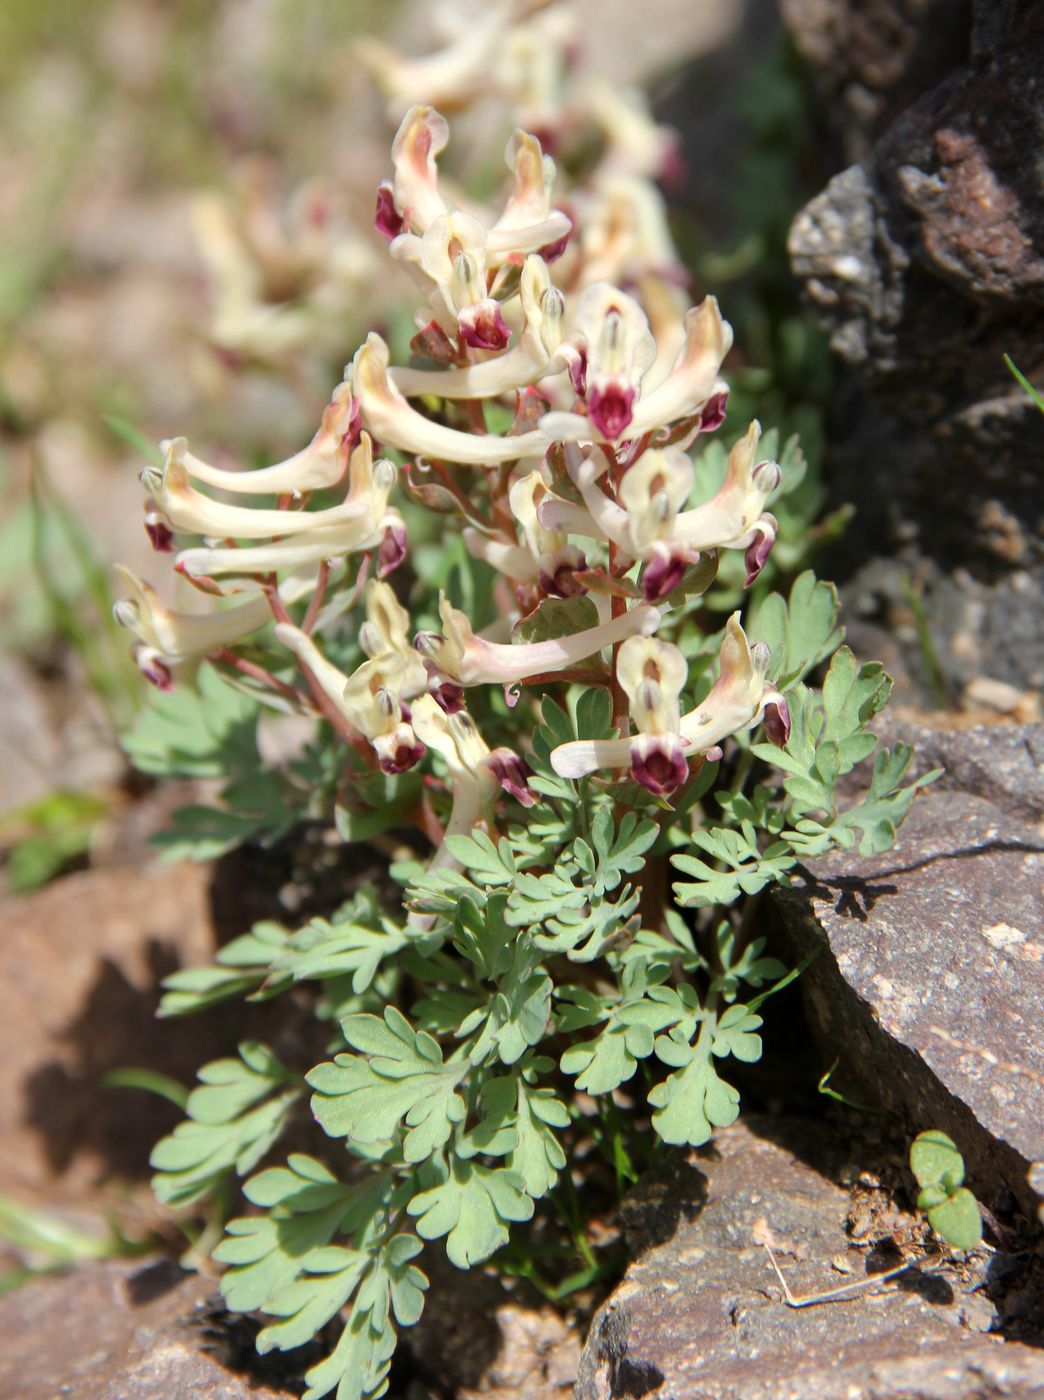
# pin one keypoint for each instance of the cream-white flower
(648, 521)
(469, 660)
(321, 464)
(388, 415)
(367, 700)
(652, 674)
(362, 522)
(529, 359)
(167, 639)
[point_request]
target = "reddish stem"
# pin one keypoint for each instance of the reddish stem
(258, 673)
(316, 601)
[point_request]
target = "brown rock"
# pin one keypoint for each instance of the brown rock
(116, 1332)
(929, 984)
(481, 1338)
(870, 59)
(699, 1313)
(80, 967)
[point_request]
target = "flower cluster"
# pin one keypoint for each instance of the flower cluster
(569, 334)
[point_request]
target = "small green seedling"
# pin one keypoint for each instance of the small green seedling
(952, 1210)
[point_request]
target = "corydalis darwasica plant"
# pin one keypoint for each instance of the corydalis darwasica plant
(492, 580)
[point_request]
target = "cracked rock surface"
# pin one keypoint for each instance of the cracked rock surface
(929, 979)
(699, 1313)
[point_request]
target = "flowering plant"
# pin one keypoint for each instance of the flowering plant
(490, 586)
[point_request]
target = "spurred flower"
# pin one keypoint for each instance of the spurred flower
(624, 406)
(652, 674)
(321, 464)
(544, 557)
(368, 700)
(469, 660)
(530, 358)
(648, 521)
(362, 522)
(477, 774)
(388, 415)
(168, 639)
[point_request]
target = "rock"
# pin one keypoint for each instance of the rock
(924, 263)
(80, 966)
(118, 1331)
(699, 1312)
(929, 979)
(870, 60)
(482, 1337)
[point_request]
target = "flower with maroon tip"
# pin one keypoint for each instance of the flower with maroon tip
(533, 355)
(161, 536)
(388, 221)
(513, 774)
(482, 325)
(713, 413)
(389, 416)
(371, 698)
(359, 524)
(166, 639)
(652, 674)
(647, 521)
(393, 548)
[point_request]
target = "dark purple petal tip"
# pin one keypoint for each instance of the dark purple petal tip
(611, 409)
(759, 549)
(662, 575)
(160, 534)
(388, 220)
(483, 327)
(713, 414)
(777, 721)
(513, 774)
(392, 551)
(659, 764)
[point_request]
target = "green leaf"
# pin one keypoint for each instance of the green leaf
(490, 865)
(611, 1057)
(47, 834)
(735, 1034)
(326, 1279)
(323, 949)
(934, 1156)
(801, 631)
(242, 966)
(358, 1366)
(306, 1208)
(958, 1220)
(537, 1156)
(399, 1079)
(235, 1116)
(748, 869)
(473, 1207)
(195, 733)
(692, 1102)
(557, 617)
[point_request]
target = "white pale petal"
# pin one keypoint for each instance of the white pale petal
(391, 419)
(694, 377)
(584, 756)
(321, 464)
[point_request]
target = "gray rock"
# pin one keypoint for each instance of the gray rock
(699, 1313)
(924, 263)
(117, 1331)
(929, 979)
(870, 59)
